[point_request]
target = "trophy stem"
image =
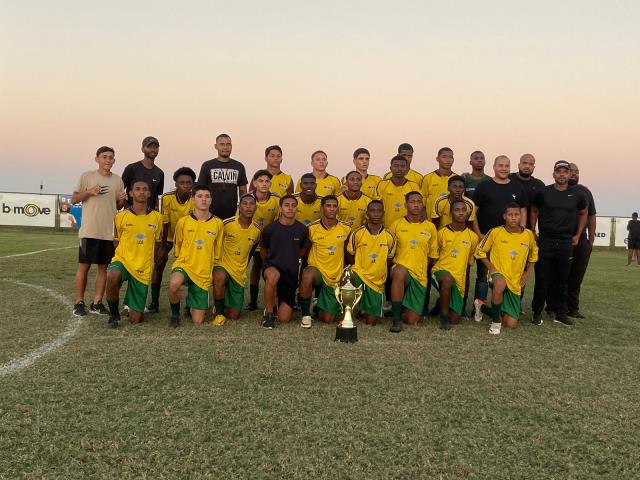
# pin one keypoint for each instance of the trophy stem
(347, 322)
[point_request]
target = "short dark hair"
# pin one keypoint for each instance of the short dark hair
(267, 150)
(457, 201)
(104, 149)
(287, 196)
(262, 173)
(398, 158)
(222, 135)
(455, 178)
(317, 152)
(360, 151)
(404, 146)
(184, 171)
(139, 180)
(474, 152)
(511, 205)
(197, 187)
(444, 149)
(375, 202)
(247, 195)
(410, 194)
(324, 200)
(352, 171)
(307, 175)
(634, 214)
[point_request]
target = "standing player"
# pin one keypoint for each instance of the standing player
(102, 195)
(392, 192)
(147, 170)
(282, 244)
(524, 176)
(442, 214)
(326, 184)
(240, 239)
(174, 206)
(633, 239)
(281, 183)
(225, 177)
(505, 251)
(137, 235)
(370, 183)
(308, 201)
(435, 184)
(352, 203)
(477, 175)
(406, 150)
(417, 248)
(326, 262)
(198, 242)
(371, 248)
(457, 244)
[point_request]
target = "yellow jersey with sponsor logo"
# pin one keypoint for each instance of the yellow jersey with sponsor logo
(137, 236)
(327, 250)
(197, 245)
(442, 209)
(509, 253)
(417, 242)
(369, 185)
(433, 186)
(237, 244)
(307, 212)
(393, 199)
(280, 183)
(371, 254)
(412, 175)
(328, 185)
(457, 251)
(352, 212)
(173, 210)
(266, 211)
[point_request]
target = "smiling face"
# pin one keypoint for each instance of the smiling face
(151, 150)
(502, 167)
(308, 185)
(106, 160)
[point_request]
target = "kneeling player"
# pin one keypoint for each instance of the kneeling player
(457, 245)
(137, 236)
(198, 242)
(505, 251)
(240, 239)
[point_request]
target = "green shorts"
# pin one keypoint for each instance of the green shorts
(233, 292)
(371, 301)
(136, 296)
(455, 301)
(197, 298)
(414, 295)
(327, 300)
(510, 300)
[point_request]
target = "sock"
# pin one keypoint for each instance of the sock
(317, 290)
(495, 313)
(219, 304)
(305, 306)
(155, 293)
(396, 309)
(253, 293)
(114, 307)
(175, 309)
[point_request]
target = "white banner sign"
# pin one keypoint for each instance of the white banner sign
(621, 232)
(603, 232)
(28, 209)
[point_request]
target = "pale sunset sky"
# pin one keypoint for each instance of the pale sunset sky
(560, 80)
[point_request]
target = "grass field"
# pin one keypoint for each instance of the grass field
(240, 402)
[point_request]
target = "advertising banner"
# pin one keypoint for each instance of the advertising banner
(70, 213)
(603, 232)
(621, 231)
(28, 209)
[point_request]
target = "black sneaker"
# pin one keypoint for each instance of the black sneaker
(445, 324)
(174, 321)
(152, 308)
(537, 318)
(576, 315)
(112, 324)
(268, 321)
(79, 310)
(98, 309)
(563, 319)
(251, 306)
(396, 326)
(187, 312)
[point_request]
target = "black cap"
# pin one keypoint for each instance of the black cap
(561, 164)
(150, 140)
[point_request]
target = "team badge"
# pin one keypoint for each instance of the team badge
(140, 238)
(199, 244)
(513, 254)
(373, 257)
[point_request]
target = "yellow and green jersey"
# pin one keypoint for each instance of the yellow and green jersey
(411, 175)
(442, 209)
(237, 244)
(417, 242)
(280, 183)
(371, 254)
(433, 186)
(266, 211)
(329, 185)
(173, 210)
(393, 199)
(369, 185)
(137, 236)
(457, 251)
(509, 253)
(197, 245)
(327, 250)
(352, 212)
(307, 212)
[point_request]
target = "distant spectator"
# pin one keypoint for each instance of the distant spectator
(633, 240)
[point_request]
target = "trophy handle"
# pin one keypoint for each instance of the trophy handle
(359, 293)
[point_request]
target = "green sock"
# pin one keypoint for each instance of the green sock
(253, 293)
(175, 309)
(396, 309)
(495, 312)
(155, 293)
(219, 304)
(114, 307)
(305, 306)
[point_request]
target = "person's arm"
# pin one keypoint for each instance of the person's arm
(242, 190)
(523, 217)
(591, 226)
(490, 268)
(582, 222)
(290, 187)
(527, 274)
(264, 253)
(242, 181)
(78, 197)
(203, 176)
(476, 228)
(533, 218)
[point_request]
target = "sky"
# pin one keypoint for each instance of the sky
(559, 80)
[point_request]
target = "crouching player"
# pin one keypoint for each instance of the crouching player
(457, 244)
(137, 235)
(197, 244)
(240, 239)
(373, 247)
(505, 251)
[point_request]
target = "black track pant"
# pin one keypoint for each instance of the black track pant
(552, 274)
(581, 256)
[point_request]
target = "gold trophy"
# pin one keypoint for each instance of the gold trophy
(348, 297)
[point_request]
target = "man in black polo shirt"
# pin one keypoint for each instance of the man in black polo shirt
(524, 176)
(491, 197)
(147, 170)
(225, 177)
(561, 211)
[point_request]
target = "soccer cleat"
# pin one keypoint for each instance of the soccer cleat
(98, 309)
(251, 307)
(563, 319)
(576, 314)
(537, 319)
(174, 321)
(477, 311)
(306, 322)
(79, 310)
(187, 312)
(219, 321)
(152, 308)
(268, 321)
(396, 326)
(445, 324)
(495, 328)
(112, 324)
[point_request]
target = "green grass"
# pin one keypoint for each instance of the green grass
(240, 402)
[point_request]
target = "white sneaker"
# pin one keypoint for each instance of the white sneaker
(386, 307)
(306, 322)
(495, 328)
(477, 311)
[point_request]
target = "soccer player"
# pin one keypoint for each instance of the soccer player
(392, 192)
(477, 175)
(417, 248)
(352, 203)
(281, 183)
(370, 250)
(266, 212)
(524, 176)
(102, 194)
(137, 237)
(282, 244)
(225, 177)
(308, 201)
(326, 262)
(326, 184)
(406, 150)
(241, 236)
(457, 244)
(435, 184)
(198, 243)
(147, 170)
(504, 251)
(361, 158)
(174, 206)
(633, 239)
(442, 214)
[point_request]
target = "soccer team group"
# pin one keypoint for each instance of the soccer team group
(405, 235)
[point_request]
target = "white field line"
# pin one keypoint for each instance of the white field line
(33, 356)
(37, 251)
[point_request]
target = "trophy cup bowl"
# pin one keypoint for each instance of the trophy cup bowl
(348, 297)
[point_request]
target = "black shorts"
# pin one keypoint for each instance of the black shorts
(633, 243)
(95, 252)
(286, 288)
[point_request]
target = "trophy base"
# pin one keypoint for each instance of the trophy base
(346, 335)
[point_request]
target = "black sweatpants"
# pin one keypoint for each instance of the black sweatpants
(552, 274)
(581, 256)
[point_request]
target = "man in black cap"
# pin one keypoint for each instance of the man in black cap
(561, 212)
(147, 170)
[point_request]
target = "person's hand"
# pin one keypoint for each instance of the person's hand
(163, 253)
(575, 239)
(492, 270)
(93, 191)
(524, 278)
(591, 240)
(122, 196)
